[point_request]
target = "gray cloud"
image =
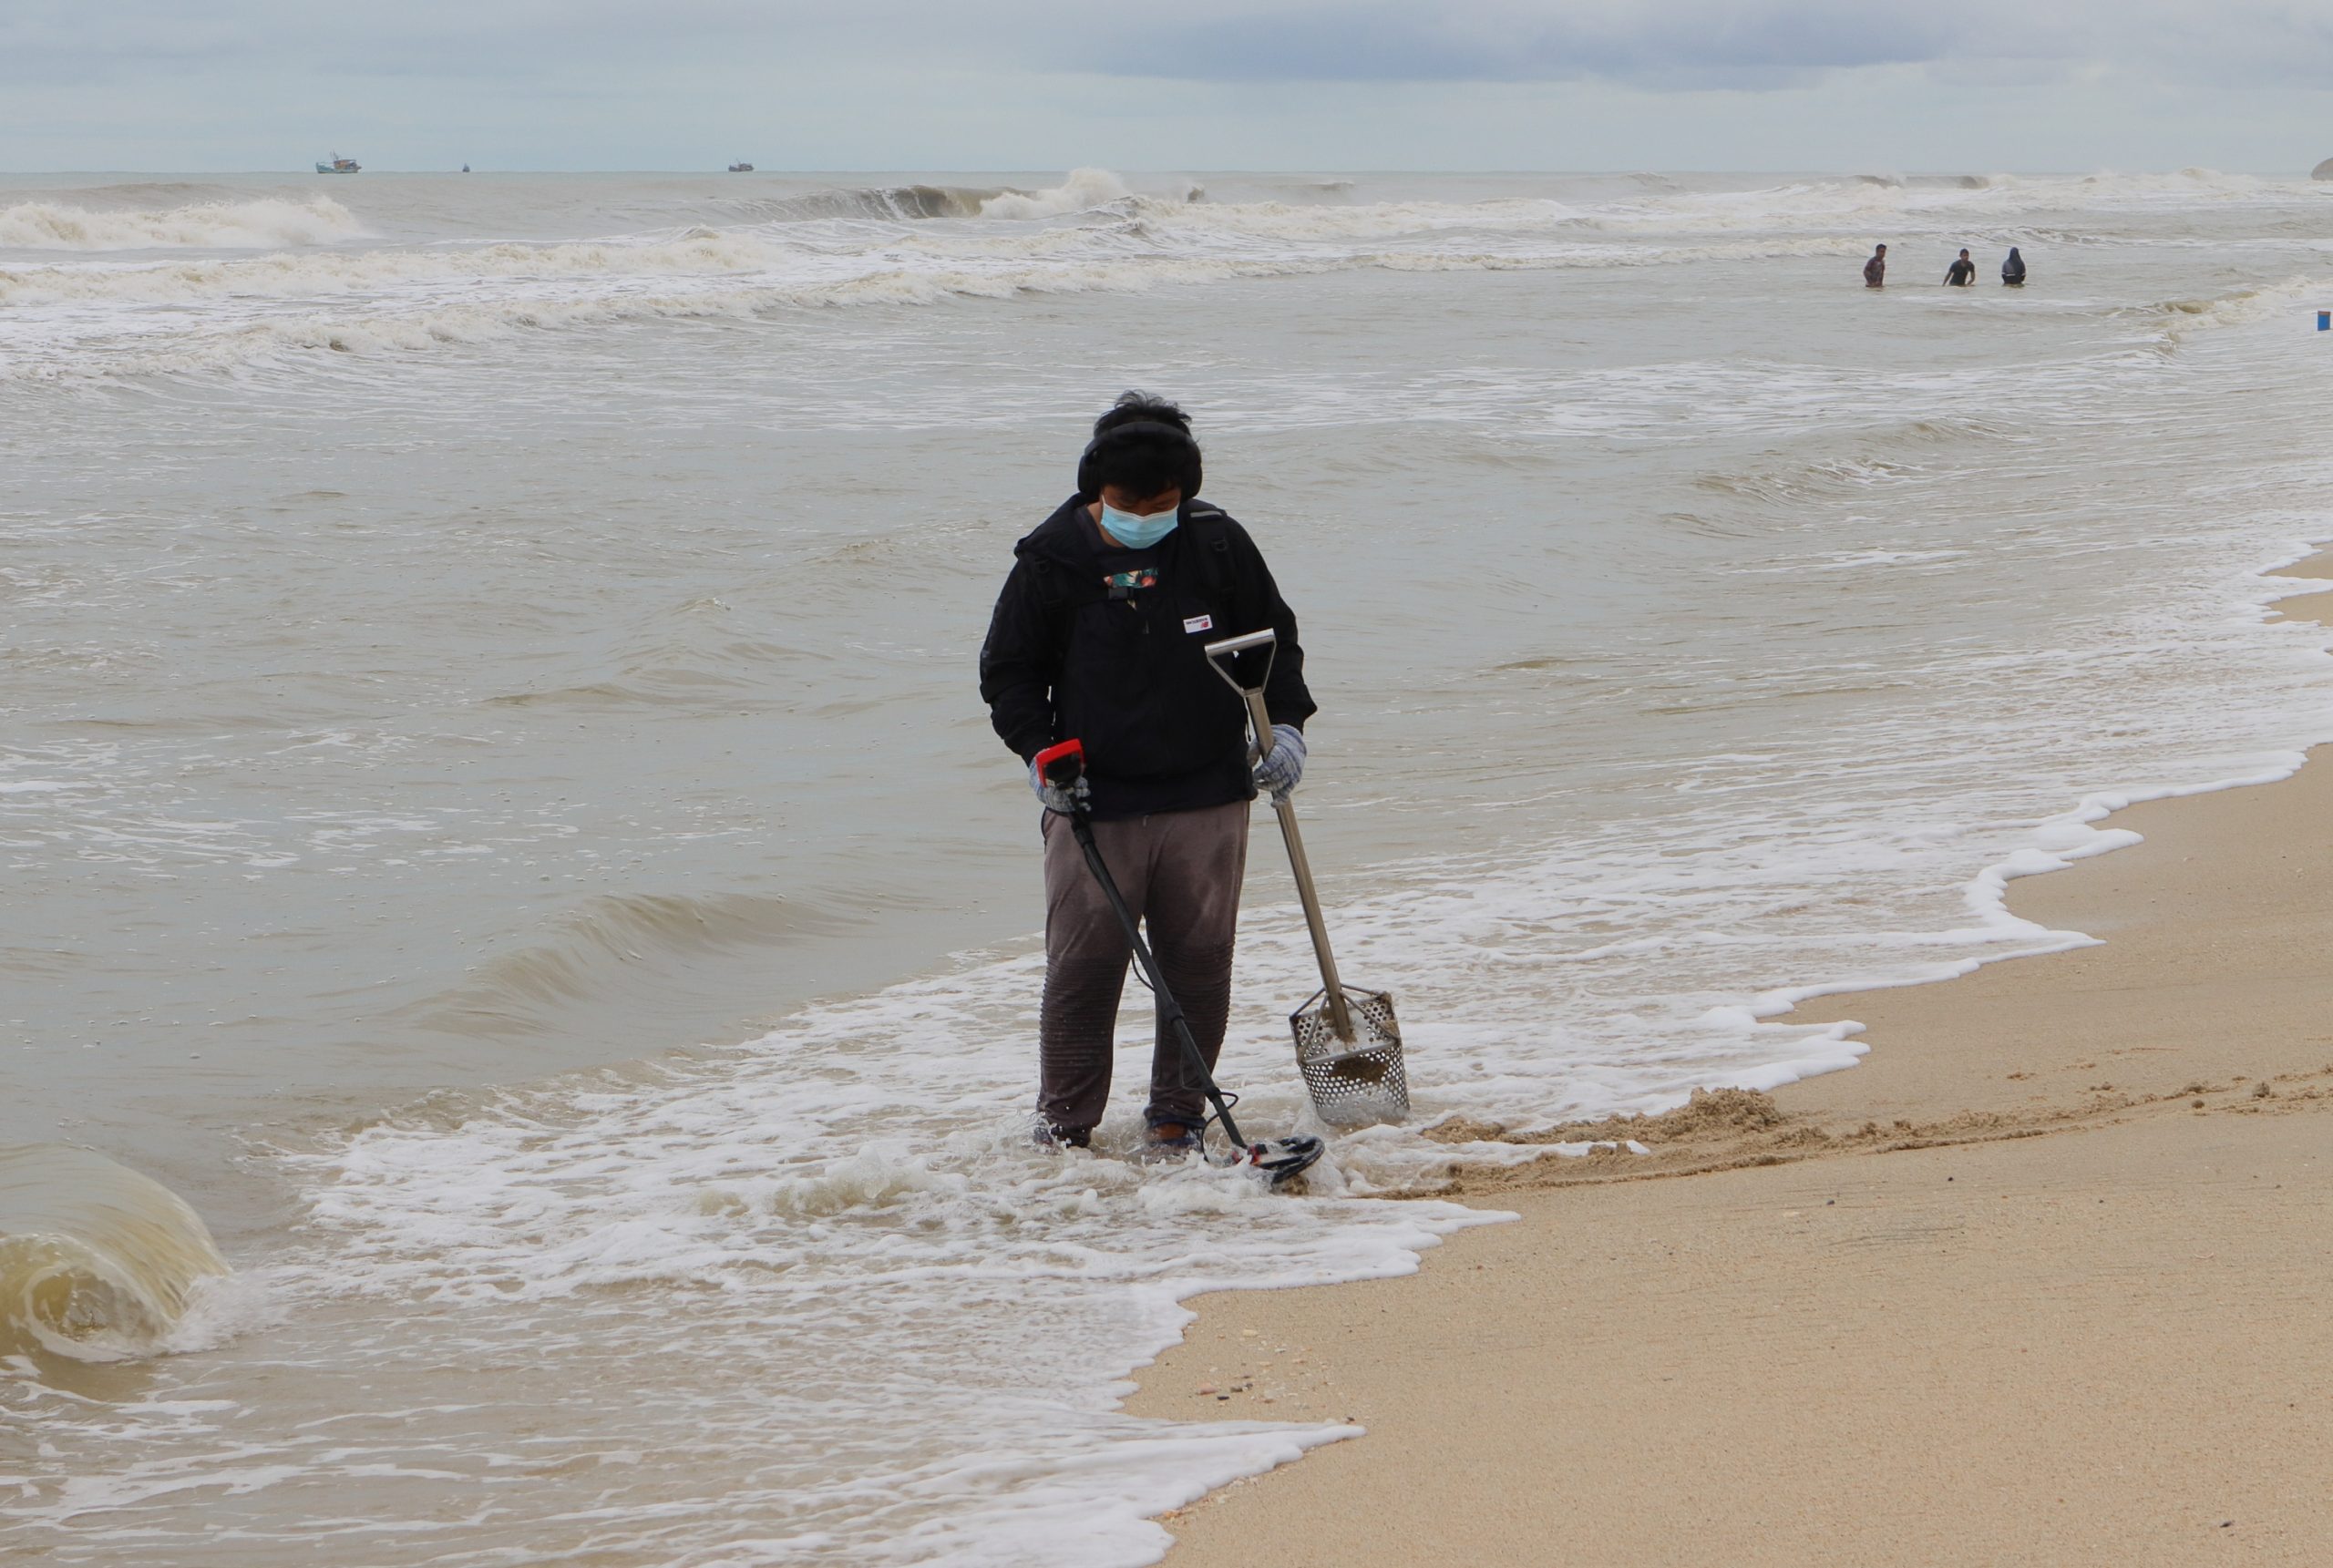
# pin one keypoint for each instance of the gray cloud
(42, 39)
(1694, 45)
(1676, 44)
(1024, 83)
(1686, 47)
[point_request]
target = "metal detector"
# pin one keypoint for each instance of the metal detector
(1276, 1159)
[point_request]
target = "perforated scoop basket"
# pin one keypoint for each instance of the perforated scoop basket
(1354, 1083)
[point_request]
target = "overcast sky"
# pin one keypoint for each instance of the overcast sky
(1952, 85)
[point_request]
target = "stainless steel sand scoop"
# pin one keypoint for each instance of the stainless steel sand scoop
(1348, 1044)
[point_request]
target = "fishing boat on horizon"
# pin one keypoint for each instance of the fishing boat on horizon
(741, 169)
(339, 165)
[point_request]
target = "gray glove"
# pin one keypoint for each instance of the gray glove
(1280, 769)
(1054, 796)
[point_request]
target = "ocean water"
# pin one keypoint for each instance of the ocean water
(498, 822)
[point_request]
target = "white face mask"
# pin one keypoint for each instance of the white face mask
(1139, 533)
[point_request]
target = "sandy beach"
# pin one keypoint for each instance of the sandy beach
(2041, 1281)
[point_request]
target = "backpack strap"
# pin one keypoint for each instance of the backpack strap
(1214, 542)
(1056, 590)
(1061, 593)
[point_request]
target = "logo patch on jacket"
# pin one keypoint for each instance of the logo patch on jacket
(1199, 623)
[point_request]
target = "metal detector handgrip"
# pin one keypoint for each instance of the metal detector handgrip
(1299, 865)
(1062, 764)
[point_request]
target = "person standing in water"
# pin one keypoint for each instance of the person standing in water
(1875, 272)
(1963, 273)
(2013, 270)
(1100, 636)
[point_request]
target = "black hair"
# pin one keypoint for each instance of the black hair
(1143, 445)
(1131, 406)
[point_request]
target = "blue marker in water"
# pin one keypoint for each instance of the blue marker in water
(2325, 320)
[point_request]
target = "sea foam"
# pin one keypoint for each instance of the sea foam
(268, 223)
(310, 289)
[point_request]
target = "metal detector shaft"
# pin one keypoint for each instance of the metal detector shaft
(1168, 1007)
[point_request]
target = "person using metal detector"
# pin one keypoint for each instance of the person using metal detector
(1099, 636)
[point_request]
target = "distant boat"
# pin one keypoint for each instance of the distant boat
(338, 165)
(741, 169)
(465, 169)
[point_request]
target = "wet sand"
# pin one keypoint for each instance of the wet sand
(2040, 1282)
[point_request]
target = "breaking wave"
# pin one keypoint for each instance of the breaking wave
(910, 244)
(263, 224)
(534, 302)
(2245, 305)
(1084, 189)
(69, 326)
(1923, 201)
(97, 1262)
(893, 203)
(632, 941)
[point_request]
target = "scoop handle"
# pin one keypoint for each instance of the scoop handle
(1299, 866)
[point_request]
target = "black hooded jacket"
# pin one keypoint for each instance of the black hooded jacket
(2013, 270)
(1122, 668)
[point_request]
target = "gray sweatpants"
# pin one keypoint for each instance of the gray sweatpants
(1179, 872)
